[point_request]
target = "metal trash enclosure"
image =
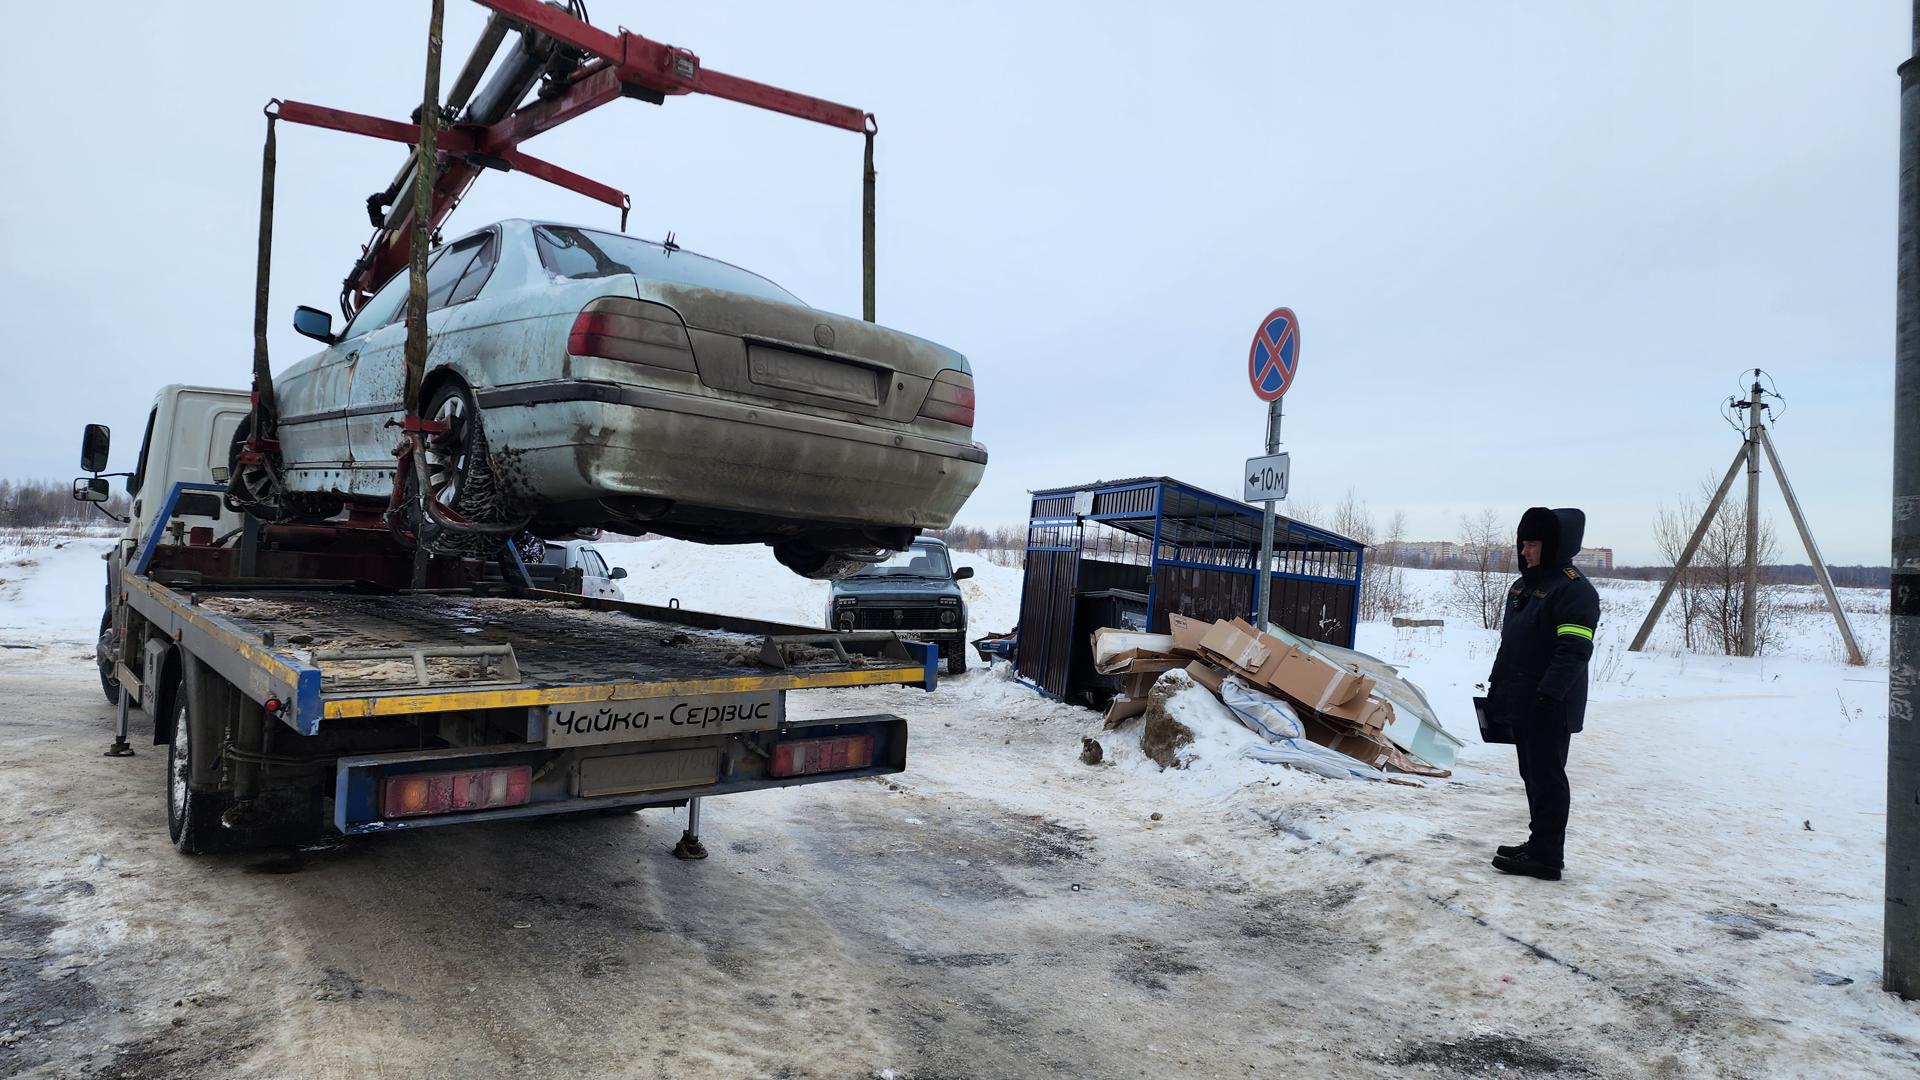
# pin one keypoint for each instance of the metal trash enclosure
(1145, 547)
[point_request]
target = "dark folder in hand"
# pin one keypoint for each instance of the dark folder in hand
(1491, 731)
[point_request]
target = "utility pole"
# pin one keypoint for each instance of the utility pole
(1902, 928)
(1756, 441)
(1752, 579)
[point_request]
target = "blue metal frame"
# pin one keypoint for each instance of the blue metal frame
(160, 520)
(1187, 518)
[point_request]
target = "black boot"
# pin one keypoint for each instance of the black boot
(1509, 851)
(1526, 864)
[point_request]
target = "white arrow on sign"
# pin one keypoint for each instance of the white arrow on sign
(1266, 478)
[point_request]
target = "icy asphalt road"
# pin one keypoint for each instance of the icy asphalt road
(1004, 913)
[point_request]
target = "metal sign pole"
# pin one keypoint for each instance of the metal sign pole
(1263, 581)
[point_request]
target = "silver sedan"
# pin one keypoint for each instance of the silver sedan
(591, 379)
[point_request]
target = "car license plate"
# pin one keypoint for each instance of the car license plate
(590, 723)
(625, 774)
(813, 375)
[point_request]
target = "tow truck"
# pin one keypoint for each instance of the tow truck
(302, 684)
(311, 674)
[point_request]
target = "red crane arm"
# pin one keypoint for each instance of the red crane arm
(621, 64)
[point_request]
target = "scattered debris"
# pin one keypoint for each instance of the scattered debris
(1329, 711)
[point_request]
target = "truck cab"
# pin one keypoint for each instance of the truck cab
(188, 433)
(915, 592)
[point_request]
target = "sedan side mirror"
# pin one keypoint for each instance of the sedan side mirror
(963, 573)
(313, 323)
(93, 447)
(91, 489)
(618, 573)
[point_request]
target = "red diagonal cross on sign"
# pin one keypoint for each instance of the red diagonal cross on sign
(1259, 368)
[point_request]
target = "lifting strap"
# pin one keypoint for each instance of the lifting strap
(866, 227)
(265, 416)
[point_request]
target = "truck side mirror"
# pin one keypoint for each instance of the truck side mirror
(313, 323)
(91, 489)
(618, 573)
(93, 447)
(963, 573)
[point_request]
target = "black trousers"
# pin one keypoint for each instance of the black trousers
(1543, 768)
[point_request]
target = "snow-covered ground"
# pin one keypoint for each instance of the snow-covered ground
(1720, 915)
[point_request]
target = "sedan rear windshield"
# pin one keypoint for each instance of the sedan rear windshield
(589, 253)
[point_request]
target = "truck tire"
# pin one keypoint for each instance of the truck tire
(108, 684)
(957, 657)
(193, 817)
(198, 821)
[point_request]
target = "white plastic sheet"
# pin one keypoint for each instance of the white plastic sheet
(1275, 721)
(1268, 716)
(1314, 758)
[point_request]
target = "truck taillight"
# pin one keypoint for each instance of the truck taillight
(805, 757)
(950, 399)
(633, 331)
(447, 792)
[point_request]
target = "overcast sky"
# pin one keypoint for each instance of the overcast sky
(1531, 246)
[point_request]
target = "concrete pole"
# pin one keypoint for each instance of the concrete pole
(1686, 557)
(1263, 581)
(1902, 933)
(1752, 579)
(1813, 550)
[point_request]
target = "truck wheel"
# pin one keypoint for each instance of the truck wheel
(957, 658)
(108, 684)
(193, 817)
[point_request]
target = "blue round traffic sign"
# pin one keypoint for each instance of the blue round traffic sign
(1274, 359)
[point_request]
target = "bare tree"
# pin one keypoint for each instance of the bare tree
(1672, 528)
(1721, 563)
(1383, 591)
(1479, 591)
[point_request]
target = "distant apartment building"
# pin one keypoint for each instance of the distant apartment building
(1446, 553)
(1422, 552)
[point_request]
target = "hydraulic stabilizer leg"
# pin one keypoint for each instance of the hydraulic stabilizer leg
(120, 748)
(690, 846)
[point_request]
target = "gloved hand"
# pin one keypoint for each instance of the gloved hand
(1546, 711)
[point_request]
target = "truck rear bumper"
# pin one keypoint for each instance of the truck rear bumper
(630, 775)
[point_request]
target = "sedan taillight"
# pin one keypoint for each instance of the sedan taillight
(950, 399)
(634, 331)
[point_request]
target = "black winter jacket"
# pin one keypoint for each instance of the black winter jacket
(1539, 678)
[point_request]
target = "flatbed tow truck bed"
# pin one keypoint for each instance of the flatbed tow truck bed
(579, 703)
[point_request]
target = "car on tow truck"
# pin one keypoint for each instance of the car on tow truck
(589, 379)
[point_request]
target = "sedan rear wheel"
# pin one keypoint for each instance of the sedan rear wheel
(450, 453)
(459, 475)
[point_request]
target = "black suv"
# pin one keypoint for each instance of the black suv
(916, 592)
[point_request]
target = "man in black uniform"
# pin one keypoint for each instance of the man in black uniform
(1539, 680)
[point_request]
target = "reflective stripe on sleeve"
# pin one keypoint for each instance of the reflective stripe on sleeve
(1576, 630)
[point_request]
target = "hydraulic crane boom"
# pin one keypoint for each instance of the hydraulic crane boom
(577, 68)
